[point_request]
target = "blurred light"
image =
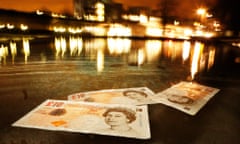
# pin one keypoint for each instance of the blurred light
(97, 31)
(74, 30)
(63, 45)
(202, 61)
(60, 46)
(199, 33)
(195, 59)
(119, 30)
(118, 45)
(91, 47)
(23, 27)
(176, 22)
(173, 49)
(100, 60)
(188, 32)
(100, 11)
(26, 48)
(3, 53)
(38, 12)
(57, 42)
(134, 17)
(10, 26)
(2, 26)
(169, 33)
(13, 49)
(211, 58)
(208, 15)
(196, 24)
(59, 29)
(156, 20)
(99, 5)
(208, 34)
(55, 15)
(201, 11)
(75, 45)
(141, 57)
(236, 44)
(79, 45)
(125, 17)
(216, 24)
(153, 31)
(186, 50)
(153, 49)
(62, 16)
(143, 19)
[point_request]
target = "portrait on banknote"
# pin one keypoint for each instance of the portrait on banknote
(188, 97)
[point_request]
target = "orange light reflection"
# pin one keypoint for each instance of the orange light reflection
(153, 49)
(26, 49)
(118, 45)
(195, 59)
(186, 50)
(211, 58)
(13, 49)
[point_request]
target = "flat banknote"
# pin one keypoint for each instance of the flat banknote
(188, 97)
(90, 118)
(131, 96)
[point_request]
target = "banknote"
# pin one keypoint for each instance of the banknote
(131, 96)
(90, 118)
(188, 97)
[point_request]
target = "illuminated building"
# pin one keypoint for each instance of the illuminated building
(96, 10)
(78, 8)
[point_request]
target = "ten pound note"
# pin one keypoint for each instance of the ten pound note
(96, 118)
(131, 96)
(186, 96)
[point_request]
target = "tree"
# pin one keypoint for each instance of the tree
(228, 13)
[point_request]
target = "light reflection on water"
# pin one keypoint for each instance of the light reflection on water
(197, 55)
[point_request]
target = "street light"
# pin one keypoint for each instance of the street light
(201, 12)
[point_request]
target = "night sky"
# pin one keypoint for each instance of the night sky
(226, 10)
(32, 5)
(63, 5)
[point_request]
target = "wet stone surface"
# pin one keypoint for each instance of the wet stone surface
(25, 86)
(23, 89)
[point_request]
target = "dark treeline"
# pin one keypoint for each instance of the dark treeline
(228, 13)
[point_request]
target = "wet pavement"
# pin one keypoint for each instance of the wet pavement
(25, 86)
